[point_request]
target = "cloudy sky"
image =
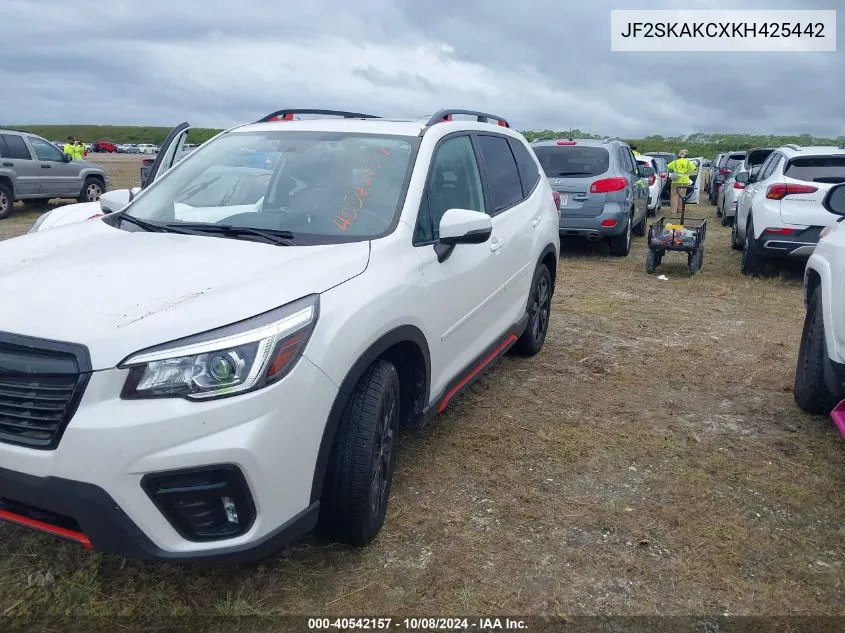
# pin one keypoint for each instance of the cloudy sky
(543, 63)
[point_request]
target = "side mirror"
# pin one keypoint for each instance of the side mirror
(742, 176)
(133, 193)
(834, 201)
(66, 157)
(115, 200)
(462, 226)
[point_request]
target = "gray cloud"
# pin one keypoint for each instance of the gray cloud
(543, 63)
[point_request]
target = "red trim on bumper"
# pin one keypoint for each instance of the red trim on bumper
(18, 519)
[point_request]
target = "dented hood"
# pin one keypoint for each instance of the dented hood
(117, 292)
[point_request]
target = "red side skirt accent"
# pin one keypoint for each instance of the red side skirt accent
(79, 537)
(508, 341)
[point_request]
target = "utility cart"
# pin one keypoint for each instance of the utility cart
(680, 234)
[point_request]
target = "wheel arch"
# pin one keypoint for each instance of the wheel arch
(7, 180)
(407, 348)
(549, 258)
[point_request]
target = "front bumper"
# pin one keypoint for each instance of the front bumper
(90, 486)
(592, 228)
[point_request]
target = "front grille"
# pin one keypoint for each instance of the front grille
(41, 383)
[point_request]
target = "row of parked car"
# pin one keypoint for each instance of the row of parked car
(789, 203)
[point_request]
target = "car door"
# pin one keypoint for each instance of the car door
(16, 157)
(168, 154)
(639, 185)
(752, 189)
(463, 295)
(515, 221)
(58, 178)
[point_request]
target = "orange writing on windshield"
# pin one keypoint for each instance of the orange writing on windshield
(355, 199)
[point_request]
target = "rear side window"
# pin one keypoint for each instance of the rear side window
(826, 169)
(734, 160)
(503, 181)
(571, 161)
(528, 172)
(15, 147)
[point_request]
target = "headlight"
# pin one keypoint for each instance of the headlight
(227, 361)
(38, 222)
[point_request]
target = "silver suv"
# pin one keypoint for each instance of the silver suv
(32, 169)
(603, 191)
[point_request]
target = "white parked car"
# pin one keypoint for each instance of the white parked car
(655, 183)
(820, 374)
(146, 148)
(780, 212)
(734, 184)
(210, 370)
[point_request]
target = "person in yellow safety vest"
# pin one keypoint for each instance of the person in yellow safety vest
(684, 168)
(70, 147)
(80, 150)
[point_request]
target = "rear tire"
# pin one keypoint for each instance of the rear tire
(620, 245)
(652, 261)
(752, 261)
(735, 244)
(360, 468)
(539, 310)
(6, 201)
(809, 389)
(696, 260)
(639, 230)
(726, 220)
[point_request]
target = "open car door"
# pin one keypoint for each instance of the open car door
(167, 155)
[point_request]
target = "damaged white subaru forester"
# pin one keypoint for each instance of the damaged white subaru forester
(212, 370)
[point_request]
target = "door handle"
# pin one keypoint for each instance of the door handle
(46, 166)
(496, 245)
(535, 222)
(8, 164)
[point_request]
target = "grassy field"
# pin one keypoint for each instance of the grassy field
(649, 461)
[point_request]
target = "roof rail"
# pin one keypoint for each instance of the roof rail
(607, 139)
(482, 117)
(287, 114)
(793, 146)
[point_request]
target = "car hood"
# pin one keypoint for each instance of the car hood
(70, 213)
(117, 292)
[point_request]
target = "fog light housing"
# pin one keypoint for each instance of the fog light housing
(203, 504)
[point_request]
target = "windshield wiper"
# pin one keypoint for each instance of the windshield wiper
(147, 226)
(274, 236)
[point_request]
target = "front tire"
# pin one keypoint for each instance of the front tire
(809, 389)
(539, 311)
(620, 245)
(639, 230)
(735, 243)
(726, 220)
(360, 468)
(92, 189)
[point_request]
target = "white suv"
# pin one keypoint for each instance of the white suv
(243, 363)
(779, 213)
(820, 375)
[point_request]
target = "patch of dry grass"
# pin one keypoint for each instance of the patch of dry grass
(649, 461)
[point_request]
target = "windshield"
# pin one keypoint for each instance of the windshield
(323, 187)
(572, 161)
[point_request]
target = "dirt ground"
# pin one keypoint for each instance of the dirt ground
(650, 461)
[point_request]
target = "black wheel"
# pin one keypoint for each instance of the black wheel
(6, 201)
(92, 189)
(539, 310)
(810, 390)
(726, 220)
(620, 245)
(752, 260)
(360, 468)
(639, 230)
(735, 243)
(652, 261)
(695, 260)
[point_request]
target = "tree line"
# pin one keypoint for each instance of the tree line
(698, 144)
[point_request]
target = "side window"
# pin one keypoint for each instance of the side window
(528, 172)
(16, 147)
(454, 182)
(501, 171)
(769, 166)
(44, 150)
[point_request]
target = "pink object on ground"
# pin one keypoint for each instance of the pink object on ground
(838, 415)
